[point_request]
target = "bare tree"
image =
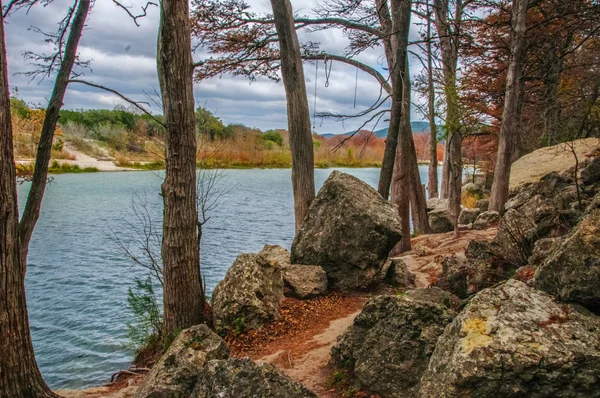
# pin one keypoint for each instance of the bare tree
(448, 21)
(19, 373)
(76, 21)
(301, 144)
(510, 118)
(142, 245)
(432, 182)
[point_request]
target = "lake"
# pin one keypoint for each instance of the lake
(77, 279)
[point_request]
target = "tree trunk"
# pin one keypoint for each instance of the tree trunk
(454, 144)
(418, 203)
(180, 252)
(449, 36)
(445, 175)
(301, 143)
(401, 163)
(31, 212)
(19, 373)
(397, 65)
(500, 187)
(432, 182)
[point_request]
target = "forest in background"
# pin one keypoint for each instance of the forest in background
(134, 139)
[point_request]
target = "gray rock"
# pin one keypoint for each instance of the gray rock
(242, 378)
(455, 272)
(486, 265)
(175, 374)
(514, 341)
(591, 173)
(472, 189)
(249, 296)
(516, 237)
(304, 281)
(398, 275)
(436, 203)
(594, 204)
(433, 295)
(551, 184)
(349, 231)
(542, 249)
(486, 220)
(276, 255)
(389, 345)
(468, 216)
(572, 270)
(482, 204)
(440, 220)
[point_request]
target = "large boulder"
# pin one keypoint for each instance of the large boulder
(276, 255)
(514, 341)
(389, 345)
(542, 249)
(303, 281)
(486, 220)
(486, 265)
(175, 374)
(436, 203)
(349, 231)
(472, 189)
(468, 216)
(455, 273)
(482, 204)
(398, 275)
(249, 296)
(239, 378)
(591, 173)
(571, 271)
(440, 220)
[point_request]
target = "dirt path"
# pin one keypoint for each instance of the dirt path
(310, 367)
(82, 160)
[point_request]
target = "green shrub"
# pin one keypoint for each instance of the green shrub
(274, 137)
(145, 327)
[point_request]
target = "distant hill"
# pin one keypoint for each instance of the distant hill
(417, 127)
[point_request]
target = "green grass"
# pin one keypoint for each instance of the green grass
(26, 170)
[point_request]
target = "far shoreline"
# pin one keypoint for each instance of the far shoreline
(60, 166)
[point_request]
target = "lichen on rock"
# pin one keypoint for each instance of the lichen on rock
(515, 341)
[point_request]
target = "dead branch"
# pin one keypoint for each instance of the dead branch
(131, 15)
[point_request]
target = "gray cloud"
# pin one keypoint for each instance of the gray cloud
(123, 57)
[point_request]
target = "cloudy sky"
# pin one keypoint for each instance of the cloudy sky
(123, 57)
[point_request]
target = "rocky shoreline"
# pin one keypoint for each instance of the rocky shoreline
(513, 316)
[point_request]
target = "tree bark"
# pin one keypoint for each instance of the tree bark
(401, 162)
(418, 203)
(500, 187)
(445, 175)
(180, 252)
(432, 181)
(449, 36)
(19, 374)
(301, 143)
(31, 212)
(397, 65)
